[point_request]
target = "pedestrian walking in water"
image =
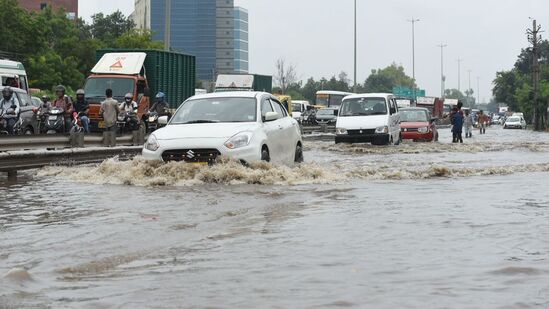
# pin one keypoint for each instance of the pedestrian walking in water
(457, 118)
(468, 124)
(483, 121)
(109, 111)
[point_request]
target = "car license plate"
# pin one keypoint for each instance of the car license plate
(52, 118)
(101, 124)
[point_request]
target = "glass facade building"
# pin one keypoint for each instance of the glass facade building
(212, 30)
(241, 39)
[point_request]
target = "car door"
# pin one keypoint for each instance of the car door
(271, 129)
(288, 132)
(26, 112)
(394, 119)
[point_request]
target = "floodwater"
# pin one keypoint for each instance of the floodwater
(412, 226)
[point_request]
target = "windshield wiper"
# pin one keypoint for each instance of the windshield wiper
(200, 121)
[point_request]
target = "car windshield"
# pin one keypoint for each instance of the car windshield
(213, 110)
(296, 107)
(513, 119)
(413, 116)
(363, 107)
(95, 87)
(325, 112)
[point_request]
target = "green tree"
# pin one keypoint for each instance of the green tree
(109, 28)
(384, 80)
(137, 39)
(505, 88)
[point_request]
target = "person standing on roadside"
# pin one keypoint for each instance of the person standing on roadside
(64, 102)
(457, 122)
(109, 111)
(468, 124)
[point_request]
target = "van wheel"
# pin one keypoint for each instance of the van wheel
(265, 156)
(298, 154)
(29, 131)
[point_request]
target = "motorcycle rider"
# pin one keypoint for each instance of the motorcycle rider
(9, 104)
(129, 105)
(161, 107)
(64, 102)
(82, 107)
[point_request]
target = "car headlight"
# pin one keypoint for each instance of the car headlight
(341, 131)
(239, 140)
(382, 130)
(423, 130)
(152, 143)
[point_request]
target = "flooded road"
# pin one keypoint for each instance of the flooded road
(415, 226)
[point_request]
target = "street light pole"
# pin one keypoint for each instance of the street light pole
(168, 25)
(442, 78)
(478, 90)
(355, 78)
(459, 73)
(469, 90)
(414, 21)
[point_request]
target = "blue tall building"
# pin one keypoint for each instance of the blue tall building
(241, 40)
(204, 28)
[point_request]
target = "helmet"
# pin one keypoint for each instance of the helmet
(45, 98)
(80, 92)
(7, 92)
(128, 96)
(161, 95)
(60, 88)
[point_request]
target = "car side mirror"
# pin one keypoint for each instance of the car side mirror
(147, 92)
(163, 120)
(336, 112)
(271, 116)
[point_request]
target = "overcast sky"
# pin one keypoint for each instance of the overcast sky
(317, 36)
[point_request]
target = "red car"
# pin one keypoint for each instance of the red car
(417, 124)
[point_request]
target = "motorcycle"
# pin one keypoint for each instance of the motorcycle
(127, 122)
(54, 121)
(4, 125)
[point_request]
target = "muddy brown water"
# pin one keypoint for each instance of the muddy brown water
(413, 226)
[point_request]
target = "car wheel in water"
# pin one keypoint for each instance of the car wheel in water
(298, 154)
(265, 156)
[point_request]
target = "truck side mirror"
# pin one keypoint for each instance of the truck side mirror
(147, 92)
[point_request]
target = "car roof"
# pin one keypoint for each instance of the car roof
(15, 89)
(413, 109)
(368, 95)
(333, 92)
(231, 94)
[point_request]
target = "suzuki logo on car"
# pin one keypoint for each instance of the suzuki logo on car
(190, 154)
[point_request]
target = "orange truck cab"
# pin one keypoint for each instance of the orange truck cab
(123, 73)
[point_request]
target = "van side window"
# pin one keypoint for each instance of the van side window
(279, 108)
(266, 107)
(392, 106)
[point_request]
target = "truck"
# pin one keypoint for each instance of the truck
(433, 104)
(244, 82)
(142, 73)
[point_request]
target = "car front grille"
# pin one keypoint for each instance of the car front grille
(409, 129)
(191, 155)
(362, 132)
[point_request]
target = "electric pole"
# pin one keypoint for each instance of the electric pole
(168, 25)
(459, 73)
(468, 92)
(442, 77)
(478, 90)
(414, 21)
(355, 82)
(540, 109)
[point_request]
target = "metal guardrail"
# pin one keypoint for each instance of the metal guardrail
(308, 129)
(14, 143)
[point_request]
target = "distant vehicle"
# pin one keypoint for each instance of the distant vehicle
(246, 126)
(417, 124)
(369, 118)
(518, 115)
(243, 82)
(404, 102)
(515, 122)
(326, 116)
(13, 74)
(142, 73)
(496, 119)
(330, 98)
(298, 108)
(434, 105)
(27, 112)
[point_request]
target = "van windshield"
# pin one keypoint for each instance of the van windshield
(96, 86)
(363, 107)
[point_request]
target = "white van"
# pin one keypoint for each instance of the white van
(298, 108)
(369, 118)
(13, 74)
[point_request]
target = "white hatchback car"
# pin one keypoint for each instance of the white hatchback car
(246, 126)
